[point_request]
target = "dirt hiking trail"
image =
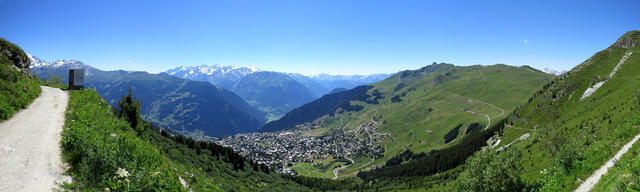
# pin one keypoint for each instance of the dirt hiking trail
(30, 154)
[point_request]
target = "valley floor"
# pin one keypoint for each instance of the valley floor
(30, 144)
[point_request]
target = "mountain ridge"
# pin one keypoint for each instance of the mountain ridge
(182, 105)
(272, 92)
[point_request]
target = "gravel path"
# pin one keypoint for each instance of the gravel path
(30, 145)
(591, 182)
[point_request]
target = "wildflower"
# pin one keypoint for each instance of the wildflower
(122, 172)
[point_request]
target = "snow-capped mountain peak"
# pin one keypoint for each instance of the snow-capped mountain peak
(553, 71)
(222, 75)
(38, 65)
(212, 70)
(37, 62)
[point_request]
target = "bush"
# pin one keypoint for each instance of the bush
(569, 154)
(492, 171)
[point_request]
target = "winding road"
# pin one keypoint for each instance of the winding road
(30, 156)
(336, 170)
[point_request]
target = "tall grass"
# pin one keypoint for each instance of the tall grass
(105, 153)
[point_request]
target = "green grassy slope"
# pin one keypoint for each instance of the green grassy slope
(99, 146)
(625, 175)
(17, 90)
(418, 108)
(570, 136)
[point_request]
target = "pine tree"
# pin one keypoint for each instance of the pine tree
(130, 111)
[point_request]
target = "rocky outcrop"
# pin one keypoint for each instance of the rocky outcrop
(12, 52)
(629, 40)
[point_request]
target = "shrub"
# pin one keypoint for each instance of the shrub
(492, 171)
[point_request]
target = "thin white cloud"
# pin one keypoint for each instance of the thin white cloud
(525, 41)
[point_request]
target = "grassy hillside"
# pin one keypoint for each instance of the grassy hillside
(421, 110)
(572, 134)
(17, 88)
(625, 175)
(105, 152)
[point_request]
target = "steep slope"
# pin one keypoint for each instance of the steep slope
(220, 75)
(183, 105)
(17, 87)
(273, 93)
(106, 154)
(418, 110)
(579, 120)
(178, 104)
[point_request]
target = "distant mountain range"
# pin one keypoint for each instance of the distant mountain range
(245, 99)
(274, 93)
(179, 104)
(553, 71)
(347, 81)
(220, 75)
(225, 76)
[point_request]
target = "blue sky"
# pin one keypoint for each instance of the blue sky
(311, 37)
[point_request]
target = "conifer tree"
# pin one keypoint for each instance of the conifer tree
(130, 111)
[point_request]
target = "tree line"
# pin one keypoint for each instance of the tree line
(436, 161)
